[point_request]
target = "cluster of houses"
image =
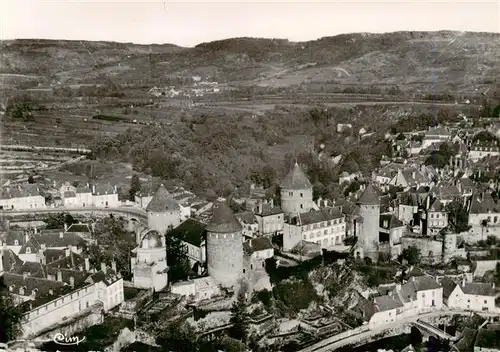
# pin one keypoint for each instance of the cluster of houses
(39, 196)
(53, 281)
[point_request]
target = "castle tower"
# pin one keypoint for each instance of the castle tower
(224, 246)
(163, 211)
(296, 192)
(149, 261)
(368, 234)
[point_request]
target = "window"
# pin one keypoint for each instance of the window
(301, 206)
(16, 243)
(302, 195)
(485, 301)
(28, 250)
(290, 194)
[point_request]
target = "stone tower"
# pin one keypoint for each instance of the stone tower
(296, 192)
(163, 211)
(368, 234)
(224, 246)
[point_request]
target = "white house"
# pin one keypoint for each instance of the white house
(257, 250)
(386, 309)
(437, 218)
(483, 208)
(474, 296)
(435, 136)
(270, 219)
(197, 289)
(420, 294)
(325, 227)
(480, 150)
(192, 233)
(23, 197)
(105, 196)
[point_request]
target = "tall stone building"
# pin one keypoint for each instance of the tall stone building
(368, 224)
(224, 246)
(163, 211)
(149, 261)
(296, 192)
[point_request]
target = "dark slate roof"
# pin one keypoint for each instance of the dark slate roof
(483, 203)
(72, 261)
(421, 283)
(437, 206)
(101, 189)
(191, 231)
(223, 220)
(369, 197)
(11, 236)
(437, 131)
(466, 342)
(54, 239)
(392, 221)
(296, 179)
(448, 286)
(10, 261)
(385, 303)
(478, 288)
(488, 338)
(162, 201)
(257, 244)
(315, 216)
(267, 210)
(107, 278)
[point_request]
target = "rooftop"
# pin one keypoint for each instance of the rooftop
(296, 179)
(369, 197)
(191, 231)
(223, 220)
(162, 201)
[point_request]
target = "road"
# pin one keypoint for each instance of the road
(332, 343)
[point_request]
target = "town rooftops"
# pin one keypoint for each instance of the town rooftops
(79, 228)
(59, 239)
(296, 179)
(108, 278)
(247, 218)
(448, 286)
(483, 203)
(488, 339)
(268, 210)
(223, 220)
(437, 132)
(191, 231)
(162, 202)
(417, 283)
(389, 221)
(369, 197)
(437, 206)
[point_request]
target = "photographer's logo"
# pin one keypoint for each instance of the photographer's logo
(60, 339)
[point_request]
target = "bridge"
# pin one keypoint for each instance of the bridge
(422, 325)
(363, 333)
(129, 213)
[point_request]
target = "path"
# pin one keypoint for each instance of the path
(362, 332)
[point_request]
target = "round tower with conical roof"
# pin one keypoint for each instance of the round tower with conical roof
(224, 246)
(369, 211)
(296, 192)
(163, 211)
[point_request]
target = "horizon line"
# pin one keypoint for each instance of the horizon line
(250, 37)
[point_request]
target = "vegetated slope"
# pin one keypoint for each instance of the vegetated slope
(411, 60)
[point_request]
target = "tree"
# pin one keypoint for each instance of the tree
(57, 221)
(177, 259)
(11, 315)
(31, 179)
(135, 187)
(458, 217)
(411, 254)
(239, 319)
(178, 337)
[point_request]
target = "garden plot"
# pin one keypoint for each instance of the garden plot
(16, 162)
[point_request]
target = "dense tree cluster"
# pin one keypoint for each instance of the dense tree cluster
(458, 216)
(10, 315)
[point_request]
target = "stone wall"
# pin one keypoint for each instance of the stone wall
(426, 246)
(291, 200)
(369, 230)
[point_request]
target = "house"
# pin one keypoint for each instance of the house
(391, 230)
(483, 210)
(23, 197)
(249, 223)
(409, 178)
(474, 296)
(437, 218)
(435, 136)
(192, 233)
(326, 227)
(420, 294)
(143, 198)
(270, 219)
(198, 289)
(448, 287)
(345, 177)
(257, 250)
(105, 196)
(386, 309)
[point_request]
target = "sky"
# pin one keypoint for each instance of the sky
(188, 22)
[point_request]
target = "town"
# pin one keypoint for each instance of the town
(406, 245)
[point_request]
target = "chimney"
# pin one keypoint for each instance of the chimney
(138, 236)
(72, 282)
(163, 241)
(59, 276)
(115, 189)
(43, 260)
(259, 209)
(272, 202)
(113, 266)
(319, 201)
(25, 276)
(103, 267)
(43, 246)
(463, 281)
(61, 234)
(26, 237)
(67, 252)
(413, 175)
(87, 264)
(398, 287)
(35, 229)
(65, 227)
(250, 242)
(93, 189)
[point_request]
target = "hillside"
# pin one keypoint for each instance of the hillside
(410, 60)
